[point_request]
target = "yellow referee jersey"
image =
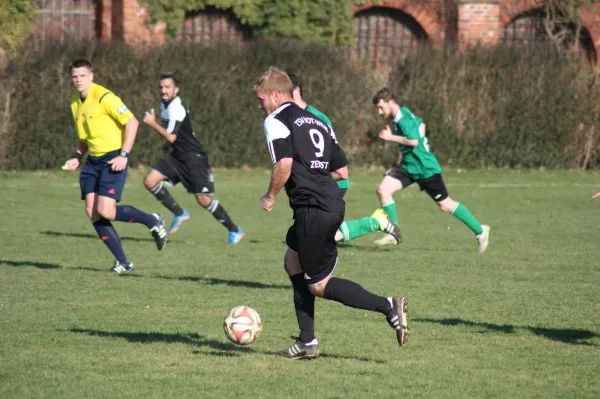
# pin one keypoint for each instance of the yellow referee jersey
(99, 120)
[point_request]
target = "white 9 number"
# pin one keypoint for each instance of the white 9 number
(317, 139)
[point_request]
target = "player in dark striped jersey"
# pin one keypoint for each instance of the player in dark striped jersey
(187, 163)
(351, 229)
(307, 160)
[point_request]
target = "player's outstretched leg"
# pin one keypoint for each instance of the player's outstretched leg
(180, 215)
(154, 222)
(354, 295)
(378, 221)
(111, 239)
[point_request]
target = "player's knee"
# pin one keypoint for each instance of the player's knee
(291, 263)
(447, 205)
(381, 192)
(89, 211)
(106, 211)
(204, 200)
(318, 289)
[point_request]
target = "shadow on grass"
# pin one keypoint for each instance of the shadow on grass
(223, 349)
(91, 236)
(567, 336)
(39, 265)
(201, 280)
(340, 357)
(192, 339)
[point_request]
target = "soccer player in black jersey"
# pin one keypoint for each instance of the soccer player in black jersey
(187, 163)
(307, 160)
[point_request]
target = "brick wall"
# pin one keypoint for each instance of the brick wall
(441, 21)
(478, 22)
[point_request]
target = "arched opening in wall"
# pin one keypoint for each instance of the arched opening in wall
(65, 21)
(384, 35)
(531, 31)
(212, 27)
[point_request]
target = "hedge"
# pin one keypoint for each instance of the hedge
(484, 107)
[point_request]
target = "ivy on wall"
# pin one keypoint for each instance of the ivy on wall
(323, 21)
(16, 21)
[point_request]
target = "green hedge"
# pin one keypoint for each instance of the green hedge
(482, 108)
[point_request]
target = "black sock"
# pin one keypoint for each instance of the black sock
(221, 215)
(304, 303)
(164, 197)
(111, 238)
(352, 294)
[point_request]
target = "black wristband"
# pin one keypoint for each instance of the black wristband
(77, 155)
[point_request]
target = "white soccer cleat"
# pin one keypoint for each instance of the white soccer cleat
(483, 239)
(388, 239)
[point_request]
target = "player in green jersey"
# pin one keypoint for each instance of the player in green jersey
(352, 229)
(418, 165)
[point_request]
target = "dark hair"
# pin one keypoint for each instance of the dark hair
(168, 76)
(384, 94)
(80, 63)
(295, 82)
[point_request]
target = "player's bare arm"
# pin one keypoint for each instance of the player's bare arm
(279, 176)
(340, 174)
(119, 163)
(387, 135)
(150, 120)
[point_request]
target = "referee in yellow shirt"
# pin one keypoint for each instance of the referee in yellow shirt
(100, 118)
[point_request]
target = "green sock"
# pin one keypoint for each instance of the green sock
(390, 209)
(356, 228)
(462, 213)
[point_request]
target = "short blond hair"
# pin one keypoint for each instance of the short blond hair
(274, 79)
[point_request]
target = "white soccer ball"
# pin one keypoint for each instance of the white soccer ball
(243, 325)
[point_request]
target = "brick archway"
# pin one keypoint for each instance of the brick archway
(510, 9)
(423, 14)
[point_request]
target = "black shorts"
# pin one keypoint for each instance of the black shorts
(191, 169)
(434, 185)
(312, 237)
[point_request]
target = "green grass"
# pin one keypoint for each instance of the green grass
(521, 320)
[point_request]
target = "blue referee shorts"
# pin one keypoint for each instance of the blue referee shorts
(98, 177)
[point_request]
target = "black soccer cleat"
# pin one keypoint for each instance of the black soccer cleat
(159, 232)
(397, 319)
(121, 268)
(300, 350)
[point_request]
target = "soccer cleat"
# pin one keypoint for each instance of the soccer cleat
(386, 225)
(483, 239)
(121, 268)
(300, 350)
(397, 319)
(178, 221)
(159, 232)
(235, 236)
(386, 240)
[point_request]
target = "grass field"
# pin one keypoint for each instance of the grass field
(521, 320)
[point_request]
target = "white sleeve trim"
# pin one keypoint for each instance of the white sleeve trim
(274, 129)
(175, 113)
